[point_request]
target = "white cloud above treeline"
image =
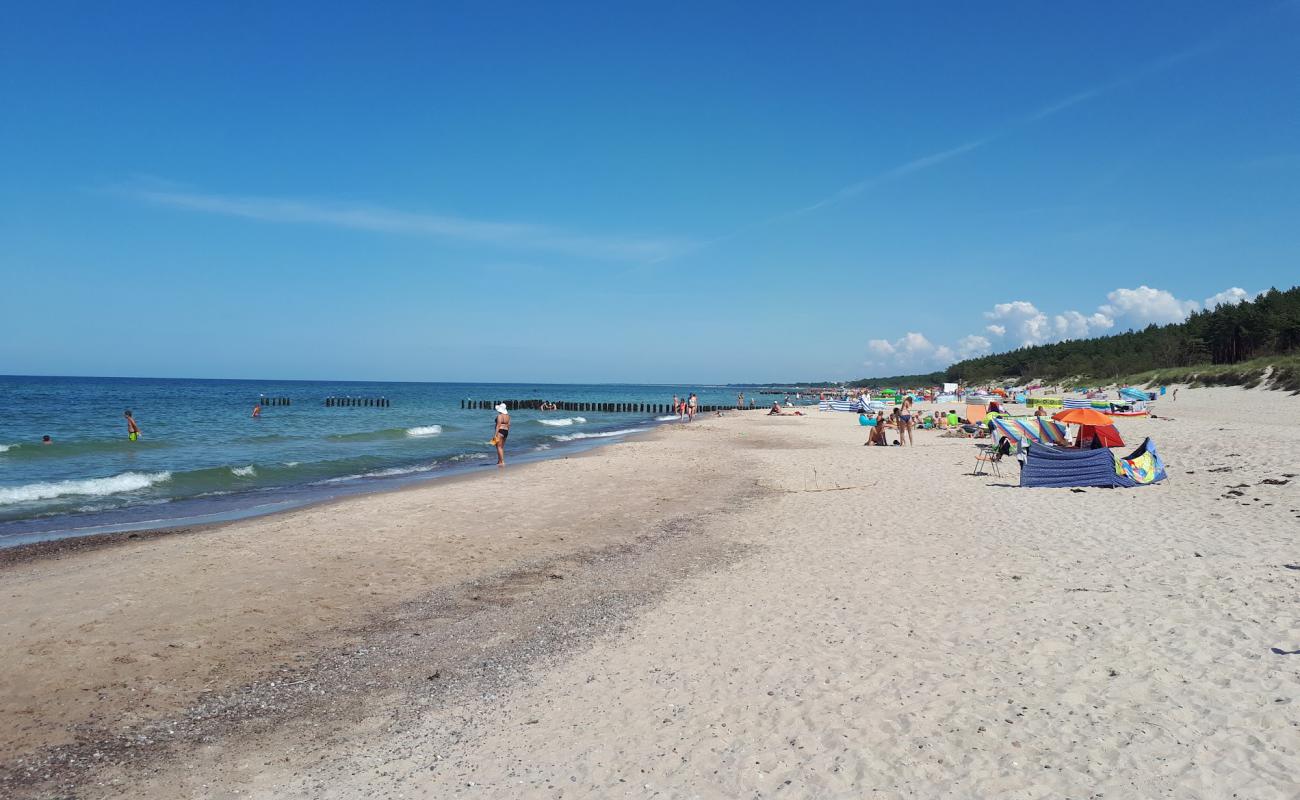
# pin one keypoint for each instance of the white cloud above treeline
(1020, 323)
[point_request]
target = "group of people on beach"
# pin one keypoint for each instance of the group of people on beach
(686, 407)
(901, 420)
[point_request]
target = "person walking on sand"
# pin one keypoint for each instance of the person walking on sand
(693, 405)
(132, 429)
(502, 424)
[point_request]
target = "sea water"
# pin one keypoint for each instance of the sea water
(203, 457)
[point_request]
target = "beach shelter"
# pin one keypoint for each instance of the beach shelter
(1108, 434)
(975, 414)
(1136, 395)
(1058, 467)
(1032, 430)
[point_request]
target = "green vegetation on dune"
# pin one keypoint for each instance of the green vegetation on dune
(1237, 345)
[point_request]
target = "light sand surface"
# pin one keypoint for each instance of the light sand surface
(808, 618)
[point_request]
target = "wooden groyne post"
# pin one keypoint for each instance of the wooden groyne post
(357, 402)
(585, 407)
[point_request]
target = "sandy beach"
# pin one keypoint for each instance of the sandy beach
(745, 606)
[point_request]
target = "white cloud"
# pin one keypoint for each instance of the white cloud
(1142, 306)
(880, 347)
(912, 352)
(522, 235)
(973, 345)
(1019, 323)
(1228, 297)
(1073, 325)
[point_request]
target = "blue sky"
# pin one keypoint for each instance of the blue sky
(660, 192)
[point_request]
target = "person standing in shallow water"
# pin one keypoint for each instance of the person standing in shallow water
(502, 424)
(132, 429)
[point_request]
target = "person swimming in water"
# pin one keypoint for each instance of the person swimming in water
(502, 423)
(132, 429)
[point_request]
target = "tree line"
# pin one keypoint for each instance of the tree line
(1267, 326)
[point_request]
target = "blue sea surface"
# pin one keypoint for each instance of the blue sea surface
(203, 457)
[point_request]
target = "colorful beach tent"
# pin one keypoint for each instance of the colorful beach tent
(1108, 434)
(1032, 430)
(1060, 467)
(1136, 395)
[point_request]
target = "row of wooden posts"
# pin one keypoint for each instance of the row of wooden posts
(565, 405)
(273, 401)
(368, 402)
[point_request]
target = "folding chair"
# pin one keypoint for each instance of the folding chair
(990, 457)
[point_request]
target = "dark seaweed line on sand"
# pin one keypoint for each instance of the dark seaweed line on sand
(427, 649)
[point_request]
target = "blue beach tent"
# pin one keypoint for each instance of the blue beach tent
(1059, 467)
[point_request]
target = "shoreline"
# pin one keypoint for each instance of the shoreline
(195, 603)
(108, 533)
(749, 605)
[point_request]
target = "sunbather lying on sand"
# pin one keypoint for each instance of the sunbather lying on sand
(777, 412)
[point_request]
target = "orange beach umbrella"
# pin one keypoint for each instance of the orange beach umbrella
(1083, 416)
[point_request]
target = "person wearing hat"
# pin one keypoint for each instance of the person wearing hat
(503, 431)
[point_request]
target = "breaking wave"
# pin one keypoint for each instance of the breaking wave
(564, 421)
(569, 437)
(87, 487)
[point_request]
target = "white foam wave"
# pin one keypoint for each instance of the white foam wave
(292, 463)
(542, 446)
(669, 418)
(424, 430)
(379, 473)
(243, 472)
(564, 421)
(4, 448)
(116, 484)
(569, 437)
(468, 456)
(391, 471)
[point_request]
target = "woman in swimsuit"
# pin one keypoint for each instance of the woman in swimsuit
(905, 422)
(503, 431)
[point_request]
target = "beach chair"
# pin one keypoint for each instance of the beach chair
(988, 456)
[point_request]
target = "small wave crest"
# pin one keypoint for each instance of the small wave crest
(563, 421)
(90, 487)
(390, 472)
(424, 430)
(669, 418)
(569, 437)
(4, 448)
(243, 472)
